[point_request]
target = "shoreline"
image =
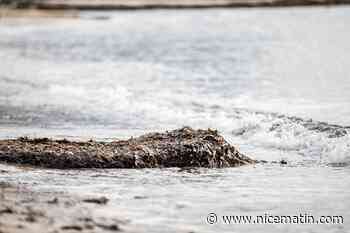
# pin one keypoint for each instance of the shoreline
(71, 10)
(262, 4)
(77, 5)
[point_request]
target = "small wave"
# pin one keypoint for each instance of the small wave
(313, 140)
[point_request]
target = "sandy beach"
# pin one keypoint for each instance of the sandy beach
(6, 12)
(173, 4)
(176, 4)
(23, 210)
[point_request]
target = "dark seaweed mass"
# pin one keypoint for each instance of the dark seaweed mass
(184, 147)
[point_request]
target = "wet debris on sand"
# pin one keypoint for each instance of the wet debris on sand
(283, 162)
(53, 201)
(99, 201)
(32, 215)
(40, 215)
(183, 147)
(140, 197)
(6, 210)
(109, 227)
(72, 227)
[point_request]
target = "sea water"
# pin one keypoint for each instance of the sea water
(274, 82)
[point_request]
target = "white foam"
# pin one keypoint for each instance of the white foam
(274, 132)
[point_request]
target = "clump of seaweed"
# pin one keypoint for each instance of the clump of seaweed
(183, 147)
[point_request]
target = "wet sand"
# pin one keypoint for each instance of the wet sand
(176, 4)
(22, 210)
(71, 8)
(59, 5)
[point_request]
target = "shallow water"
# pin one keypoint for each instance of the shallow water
(174, 200)
(257, 75)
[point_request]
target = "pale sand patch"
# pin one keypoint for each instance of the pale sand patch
(36, 13)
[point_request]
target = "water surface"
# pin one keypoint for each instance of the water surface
(265, 78)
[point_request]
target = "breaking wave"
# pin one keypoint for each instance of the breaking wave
(310, 140)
